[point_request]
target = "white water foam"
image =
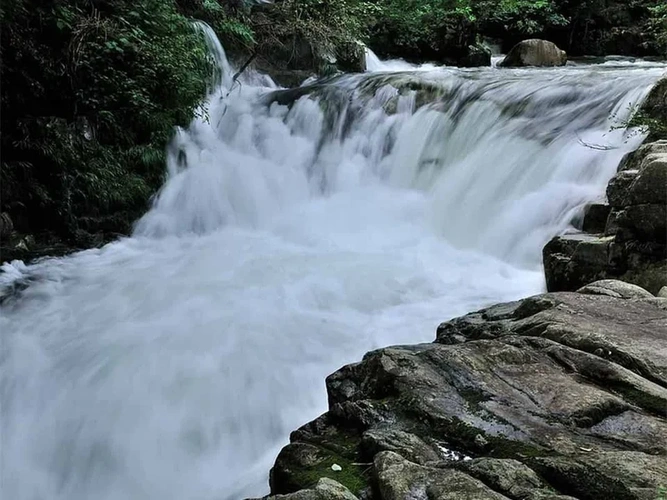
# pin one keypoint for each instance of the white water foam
(287, 241)
(374, 64)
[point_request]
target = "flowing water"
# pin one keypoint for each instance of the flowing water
(296, 231)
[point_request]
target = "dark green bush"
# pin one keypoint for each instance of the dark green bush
(418, 29)
(91, 92)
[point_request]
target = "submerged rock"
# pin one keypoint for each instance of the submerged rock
(534, 52)
(559, 396)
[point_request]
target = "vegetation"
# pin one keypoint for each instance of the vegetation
(91, 92)
(651, 117)
(92, 89)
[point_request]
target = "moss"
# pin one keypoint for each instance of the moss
(474, 397)
(337, 445)
(354, 477)
(462, 436)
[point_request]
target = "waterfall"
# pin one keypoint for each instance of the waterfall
(297, 229)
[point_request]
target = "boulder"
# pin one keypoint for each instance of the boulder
(325, 489)
(571, 261)
(616, 288)
(534, 52)
(595, 218)
(633, 246)
(351, 57)
(650, 185)
(476, 55)
(559, 396)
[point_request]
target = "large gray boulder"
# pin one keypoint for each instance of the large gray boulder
(534, 52)
(615, 288)
(559, 396)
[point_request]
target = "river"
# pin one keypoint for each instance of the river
(289, 239)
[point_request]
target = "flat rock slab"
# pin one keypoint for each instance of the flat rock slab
(559, 396)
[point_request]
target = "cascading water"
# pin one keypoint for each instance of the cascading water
(296, 231)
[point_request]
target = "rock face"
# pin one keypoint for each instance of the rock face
(534, 53)
(559, 396)
(631, 245)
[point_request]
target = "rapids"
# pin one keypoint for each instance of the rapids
(296, 230)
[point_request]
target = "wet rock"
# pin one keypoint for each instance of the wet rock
(646, 152)
(650, 186)
(326, 489)
(644, 222)
(572, 261)
(618, 475)
(559, 394)
(301, 465)
(534, 52)
(616, 288)
(477, 55)
(407, 445)
(399, 479)
(652, 276)
(634, 246)
(595, 218)
(618, 187)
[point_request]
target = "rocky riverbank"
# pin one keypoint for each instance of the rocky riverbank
(562, 395)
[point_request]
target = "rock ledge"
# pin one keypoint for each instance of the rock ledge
(558, 396)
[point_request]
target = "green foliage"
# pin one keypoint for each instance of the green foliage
(522, 17)
(662, 493)
(657, 27)
(327, 24)
(600, 27)
(90, 97)
(230, 20)
(651, 116)
(417, 28)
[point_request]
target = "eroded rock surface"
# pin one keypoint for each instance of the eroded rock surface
(559, 396)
